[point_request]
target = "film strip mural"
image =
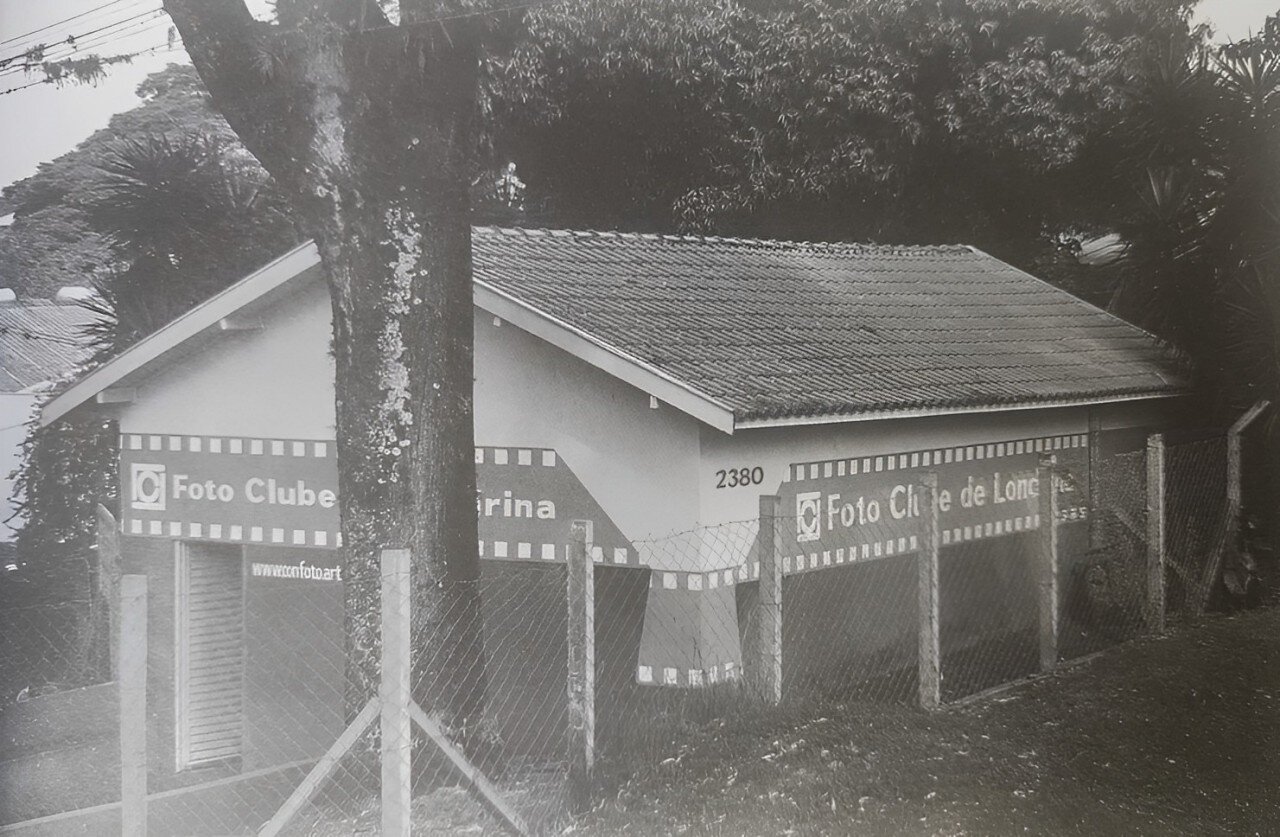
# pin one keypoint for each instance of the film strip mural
(527, 498)
(854, 509)
(284, 492)
(837, 512)
(281, 492)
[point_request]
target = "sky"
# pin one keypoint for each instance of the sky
(44, 121)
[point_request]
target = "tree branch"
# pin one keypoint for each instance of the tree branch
(243, 64)
(351, 15)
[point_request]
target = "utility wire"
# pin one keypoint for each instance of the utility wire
(442, 19)
(62, 22)
(114, 59)
(56, 36)
(63, 52)
(73, 41)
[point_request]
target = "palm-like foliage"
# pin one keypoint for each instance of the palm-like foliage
(1204, 144)
(185, 216)
(1203, 263)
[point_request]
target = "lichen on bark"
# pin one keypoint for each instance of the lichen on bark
(371, 129)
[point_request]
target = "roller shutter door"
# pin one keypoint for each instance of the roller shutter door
(210, 654)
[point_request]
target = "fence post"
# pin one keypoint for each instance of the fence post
(930, 654)
(1155, 532)
(133, 705)
(768, 650)
(394, 695)
(1048, 535)
(582, 664)
(1235, 502)
(1095, 468)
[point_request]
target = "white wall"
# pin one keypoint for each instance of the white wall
(638, 463)
(653, 471)
(273, 383)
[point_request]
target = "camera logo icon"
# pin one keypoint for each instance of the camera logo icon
(146, 487)
(808, 516)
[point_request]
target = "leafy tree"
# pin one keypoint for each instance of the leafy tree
(1202, 267)
(65, 473)
(872, 120)
(1202, 139)
(51, 242)
(184, 216)
(176, 217)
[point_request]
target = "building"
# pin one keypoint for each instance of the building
(40, 344)
(656, 385)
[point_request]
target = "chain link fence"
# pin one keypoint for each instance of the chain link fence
(57, 708)
(267, 702)
(1105, 584)
(49, 647)
(1196, 523)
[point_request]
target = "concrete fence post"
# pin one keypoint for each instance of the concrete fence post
(133, 705)
(1095, 478)
(394, 695)
(1235, 503)
(1155, 533)
(582, 664)
(768, 650)
(1048, 564)
(930, 639)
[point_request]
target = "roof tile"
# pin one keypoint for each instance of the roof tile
(778, 329)
(40, 342)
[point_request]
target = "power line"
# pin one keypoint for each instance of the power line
(62, 52)
(64, 21)
(73, 41)
(160, 11)
(93, 47)
(114, 59)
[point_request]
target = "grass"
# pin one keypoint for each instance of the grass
(1177, 734)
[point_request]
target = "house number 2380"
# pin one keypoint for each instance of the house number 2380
(734, 477)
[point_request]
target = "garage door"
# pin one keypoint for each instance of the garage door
(210, 676)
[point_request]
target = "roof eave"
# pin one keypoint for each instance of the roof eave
(262, 284)
(924, 412)
(609, 359)
(277, 276)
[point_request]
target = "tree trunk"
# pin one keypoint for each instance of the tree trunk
(403, 351)
(372, 129)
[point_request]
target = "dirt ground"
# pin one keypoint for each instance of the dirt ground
(1172, 735)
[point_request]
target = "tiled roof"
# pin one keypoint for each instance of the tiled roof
(39, 342)
(776, 330)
